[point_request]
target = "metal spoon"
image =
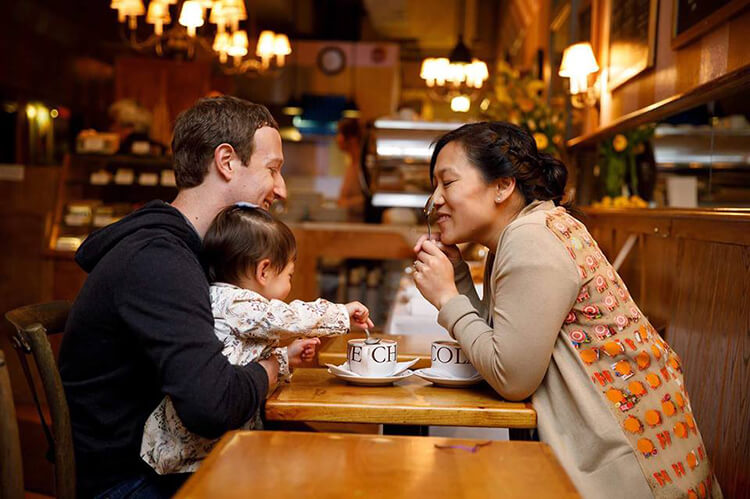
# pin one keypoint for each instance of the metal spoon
(427, 211)
(370, 340)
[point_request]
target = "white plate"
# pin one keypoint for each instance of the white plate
(370, 380)
(440, 379)
(344, 370)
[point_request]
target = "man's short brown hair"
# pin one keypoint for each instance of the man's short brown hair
(211, 122)
(242, 236)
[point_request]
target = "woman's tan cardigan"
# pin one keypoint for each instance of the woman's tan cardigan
(557, 324)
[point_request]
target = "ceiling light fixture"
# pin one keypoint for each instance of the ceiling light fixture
(230, 40)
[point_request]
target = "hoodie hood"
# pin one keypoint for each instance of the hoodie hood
(153, 214)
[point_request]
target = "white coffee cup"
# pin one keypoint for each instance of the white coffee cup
(378, 360)
(448, 358)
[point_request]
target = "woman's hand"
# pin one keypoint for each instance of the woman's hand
(433, 274)
(451, 251)
(359, 315)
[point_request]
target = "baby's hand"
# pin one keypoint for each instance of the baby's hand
(359, 315)
(301, 351)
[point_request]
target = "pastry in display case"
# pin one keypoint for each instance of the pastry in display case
(94, 191)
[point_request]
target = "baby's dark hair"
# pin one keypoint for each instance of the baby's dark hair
(240, 237)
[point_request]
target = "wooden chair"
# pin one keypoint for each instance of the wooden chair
(11, 475)
(33, 323)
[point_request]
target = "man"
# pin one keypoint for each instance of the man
(142, 327)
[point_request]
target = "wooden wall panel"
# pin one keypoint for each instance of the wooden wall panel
(715, 54)
(694, 276)
(709, 330)
(658, 275)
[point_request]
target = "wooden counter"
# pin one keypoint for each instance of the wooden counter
(346, 240)
(294, 464)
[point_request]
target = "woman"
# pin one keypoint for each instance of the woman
(349, 140)
(556, 322)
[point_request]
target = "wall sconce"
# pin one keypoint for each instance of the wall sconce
(578, 63)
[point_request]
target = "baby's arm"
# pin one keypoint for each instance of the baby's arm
(258, 318)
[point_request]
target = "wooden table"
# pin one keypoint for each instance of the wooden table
(409, 346)
(328, 465)
(316, 395)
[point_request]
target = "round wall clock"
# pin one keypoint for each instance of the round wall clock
(331, 60)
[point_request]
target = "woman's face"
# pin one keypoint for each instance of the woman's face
(464, 202)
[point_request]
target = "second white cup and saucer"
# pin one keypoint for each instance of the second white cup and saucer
(450, 366)
(372, 364)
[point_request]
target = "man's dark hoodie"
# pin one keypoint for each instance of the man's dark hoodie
(141, 328)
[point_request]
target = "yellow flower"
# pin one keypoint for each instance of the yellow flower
(534, 88)
(541, 141)
(557, 139)
(526, 105)
(531, 124)
(619, 142)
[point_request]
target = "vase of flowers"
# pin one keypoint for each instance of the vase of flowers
(618, 157)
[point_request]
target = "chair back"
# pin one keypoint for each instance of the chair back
(11, 474)
(33, 323)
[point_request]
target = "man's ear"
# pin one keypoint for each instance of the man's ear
(263, 271)
(504, 187)
(223, 160)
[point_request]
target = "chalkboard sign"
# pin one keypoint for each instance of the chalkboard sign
(632, 34)
(693, 18)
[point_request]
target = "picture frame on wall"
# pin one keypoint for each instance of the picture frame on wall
(632, 39)
(694, 18)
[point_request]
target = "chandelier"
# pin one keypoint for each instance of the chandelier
(457, 78)
(229, 40)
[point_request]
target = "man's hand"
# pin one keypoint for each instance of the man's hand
(271, 365)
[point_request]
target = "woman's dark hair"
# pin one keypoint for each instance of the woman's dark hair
(239, 238)
(349, 128)
(500, 149)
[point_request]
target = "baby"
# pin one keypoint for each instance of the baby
(249, 257)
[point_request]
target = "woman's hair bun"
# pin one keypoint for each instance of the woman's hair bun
(554, 176)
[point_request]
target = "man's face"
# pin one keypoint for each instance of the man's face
(260, 181)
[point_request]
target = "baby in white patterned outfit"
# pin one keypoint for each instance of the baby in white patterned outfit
(249, 257)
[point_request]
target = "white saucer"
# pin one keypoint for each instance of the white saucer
(342, 372)
(441, 379)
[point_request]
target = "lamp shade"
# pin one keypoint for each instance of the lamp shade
(265, 47)
(238, 48)
(218, 14)
(578, 60)
(460, 104)
(235, 9)
(130, 7)
(158, 12)
(222, 42)
(191, 15)
(281, 45)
